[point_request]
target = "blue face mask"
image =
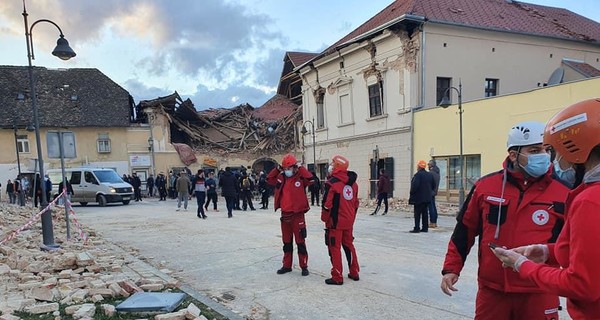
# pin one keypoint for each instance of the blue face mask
(289, 172)
(567, 176)
(537, 164)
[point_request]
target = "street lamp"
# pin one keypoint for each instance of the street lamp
(445, 103)
(151, 149)
(304, 131)
(64, 52)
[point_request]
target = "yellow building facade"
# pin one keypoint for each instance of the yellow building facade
(485, 127)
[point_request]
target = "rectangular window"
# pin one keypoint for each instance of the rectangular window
(345, 109)
(375, 99)
(23, 143)
(442, 85)
(472, 167)
(491, 87)
(321, 110)
(103, 143)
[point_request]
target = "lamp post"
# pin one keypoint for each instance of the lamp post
(304, 131)
(151, 149)
(64, 52)
(445, 103)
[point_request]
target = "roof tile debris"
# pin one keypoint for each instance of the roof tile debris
(271, 127)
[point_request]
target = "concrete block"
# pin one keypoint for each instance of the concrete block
(97, 298)
(79, 295)
(130, 286)
(153, 287)
(42, 308)
(192, 311)
(70, 310)
(87, 310)
(41, 294)
(179, 315)
(109, 310)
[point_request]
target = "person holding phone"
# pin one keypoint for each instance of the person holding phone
(570, 267)
(522, 203)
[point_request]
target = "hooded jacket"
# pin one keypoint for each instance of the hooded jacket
(340, 201)
(290, 193)
(577, 252)
(530, 211)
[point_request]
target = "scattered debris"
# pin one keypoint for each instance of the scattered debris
(271, 128)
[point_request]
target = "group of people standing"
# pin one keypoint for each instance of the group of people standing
(538, 222)
(338, 212)
(18, 190)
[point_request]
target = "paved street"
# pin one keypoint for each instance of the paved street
(399, 279)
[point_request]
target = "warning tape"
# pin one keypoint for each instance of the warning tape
(30, 222)
(82, 234)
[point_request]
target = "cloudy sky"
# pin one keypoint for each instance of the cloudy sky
(219, 53)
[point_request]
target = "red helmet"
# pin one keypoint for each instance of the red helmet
(339, 163)
(575, 131)
(288, 161)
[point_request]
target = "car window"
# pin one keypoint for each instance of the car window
(89, 177)
(76, 177)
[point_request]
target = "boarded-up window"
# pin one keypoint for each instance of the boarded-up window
(345, 109)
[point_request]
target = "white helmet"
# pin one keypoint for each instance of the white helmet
(526, 134)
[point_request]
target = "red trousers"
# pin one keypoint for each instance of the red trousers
(335, 240)
(293, 227)
(493, 305)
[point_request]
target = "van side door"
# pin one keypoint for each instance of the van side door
(78, 189)
(91, 186)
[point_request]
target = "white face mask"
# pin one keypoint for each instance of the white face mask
(330, 169)
(289, 172)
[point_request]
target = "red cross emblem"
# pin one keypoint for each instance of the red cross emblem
(540, 217)
(348, 192)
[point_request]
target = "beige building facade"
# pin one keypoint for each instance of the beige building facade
(363, 91)
(486, 123)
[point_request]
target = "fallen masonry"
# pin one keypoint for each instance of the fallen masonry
(77, 275)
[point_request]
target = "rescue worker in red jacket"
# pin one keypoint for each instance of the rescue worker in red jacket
(340, 204)
(574, 133)
(290, 181)
(519, 205)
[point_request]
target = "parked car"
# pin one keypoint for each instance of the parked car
(99, 185)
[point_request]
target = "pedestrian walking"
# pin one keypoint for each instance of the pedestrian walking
(315, 190)
(421, 193)
(384, 187)
(290, 181)
(228, 183)
(521, 204)
(211, 191)
(340, 204)
(198, 183)
(246, 187)
(136, 182)
(182, 187)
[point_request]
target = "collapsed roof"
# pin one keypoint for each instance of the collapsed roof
(242, 129)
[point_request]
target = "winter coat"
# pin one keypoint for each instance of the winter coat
(340, 200)
(228, 183)
(530, 211)
(290, 194)
(421, 187)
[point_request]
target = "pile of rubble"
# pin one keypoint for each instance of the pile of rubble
(80, 276)
(272, 127)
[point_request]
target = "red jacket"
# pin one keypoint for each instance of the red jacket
(290, 193)
(577, 251)
(532, 212)
(340, 200)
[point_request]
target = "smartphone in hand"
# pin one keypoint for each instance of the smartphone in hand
(492, 245)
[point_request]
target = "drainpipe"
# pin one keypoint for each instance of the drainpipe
(421, 102)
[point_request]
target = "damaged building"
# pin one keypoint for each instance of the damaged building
(215, 138)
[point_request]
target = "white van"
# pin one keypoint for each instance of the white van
(93, 185)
